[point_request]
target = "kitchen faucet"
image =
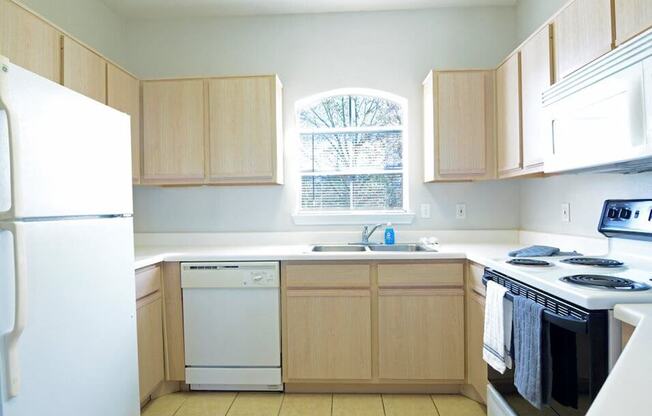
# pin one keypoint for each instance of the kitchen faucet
(366, 233)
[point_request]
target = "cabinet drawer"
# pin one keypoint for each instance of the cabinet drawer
(148, 281)
(327, 276)
(420, 275)
(474, 281)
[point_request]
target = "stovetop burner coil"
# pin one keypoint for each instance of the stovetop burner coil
(605, 282)
(593, 261)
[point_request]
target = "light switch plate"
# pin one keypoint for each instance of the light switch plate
(425, 210)
(565, 212)
(460, 211)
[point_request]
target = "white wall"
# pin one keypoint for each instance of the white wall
(530, 14)
(541, 200)
(390, 51)
(90, 21)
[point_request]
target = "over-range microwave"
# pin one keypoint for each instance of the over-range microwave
(600, 117)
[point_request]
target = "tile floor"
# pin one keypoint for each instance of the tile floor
(277, 404)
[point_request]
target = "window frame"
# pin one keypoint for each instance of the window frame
(344, 217)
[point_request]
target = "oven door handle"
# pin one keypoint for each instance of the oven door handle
(567, 322)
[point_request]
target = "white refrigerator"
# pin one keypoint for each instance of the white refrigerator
(67, 301)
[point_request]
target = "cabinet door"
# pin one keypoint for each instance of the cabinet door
(123, 93)
(632, 17)
(476, 367)
(173, 132)
(245, 129)
(536, 77)
(328, 335)
(508, 99)
(83, 70)
(421, 334)
(150, 344)
(29, 41)
(582, 34)
(465, 115)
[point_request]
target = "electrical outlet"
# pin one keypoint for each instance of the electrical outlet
(460, 211)
(565, 212)
(425, 210)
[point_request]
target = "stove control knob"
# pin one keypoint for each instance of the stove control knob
(625, 213)
(612, 213)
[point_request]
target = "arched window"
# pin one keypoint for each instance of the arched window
(352, 149)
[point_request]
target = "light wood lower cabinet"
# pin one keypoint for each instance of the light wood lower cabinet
(476, 367)
(149, 311)
(421, 334)
(627, 331)
(328, 334)
(373, 323)
(150, 344)
(29, 41)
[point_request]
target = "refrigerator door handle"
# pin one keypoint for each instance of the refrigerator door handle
(20, 314)
(6, 185)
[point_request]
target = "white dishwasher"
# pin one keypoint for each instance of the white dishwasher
(231, 317)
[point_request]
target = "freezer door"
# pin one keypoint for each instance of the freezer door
(77, 354)
(61, 153)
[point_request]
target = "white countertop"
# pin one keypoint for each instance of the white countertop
(626, 390)
(146, 256)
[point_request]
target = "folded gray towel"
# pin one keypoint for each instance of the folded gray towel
(531, 352)
(541, 251)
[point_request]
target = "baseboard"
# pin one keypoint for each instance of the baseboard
(372, 388)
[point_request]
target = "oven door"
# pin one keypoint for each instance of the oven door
(571, 380)
(578, 359)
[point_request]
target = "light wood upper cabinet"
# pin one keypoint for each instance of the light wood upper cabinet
(412, 327)
(328, 334)
(173, 132)
(631, 18)
(83, 70)
(123, 94)
(536, 78)
(29, 41)
(508, 120)
(583, 33)
(245, 130)
(459, 125)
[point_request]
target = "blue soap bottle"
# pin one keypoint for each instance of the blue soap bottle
(390, 236)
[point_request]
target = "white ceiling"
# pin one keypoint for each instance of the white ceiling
(156, 9)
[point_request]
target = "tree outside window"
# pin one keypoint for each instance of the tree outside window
(352, 147)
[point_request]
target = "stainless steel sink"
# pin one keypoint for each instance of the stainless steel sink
(338, 248)
(398, 247)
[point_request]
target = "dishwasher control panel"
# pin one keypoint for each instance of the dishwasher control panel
(230, 275)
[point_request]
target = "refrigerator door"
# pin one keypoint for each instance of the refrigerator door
(61, 153)
(77, 354)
